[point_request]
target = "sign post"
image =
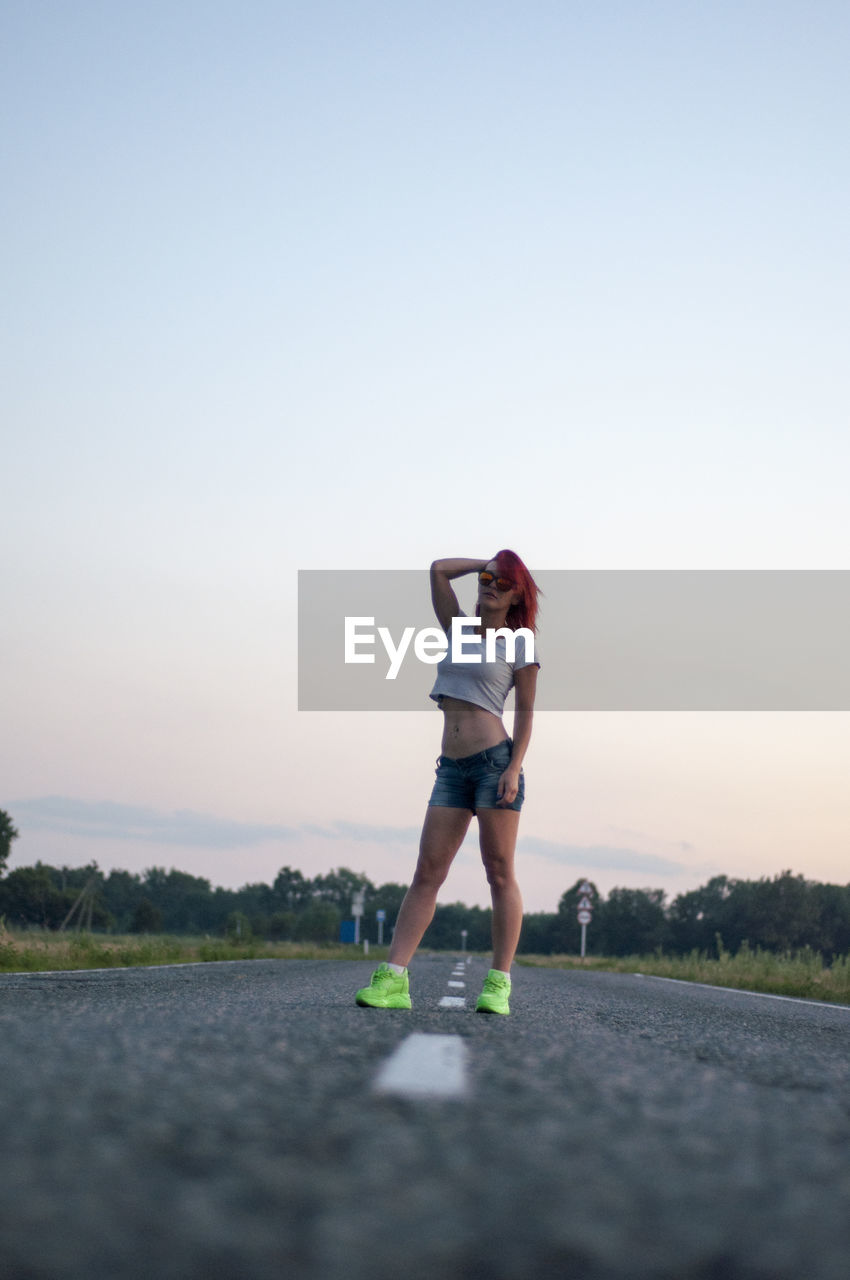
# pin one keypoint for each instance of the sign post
(380, 916)
(585, 912)
(357, 912)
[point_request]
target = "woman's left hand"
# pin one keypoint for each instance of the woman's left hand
(508, 786)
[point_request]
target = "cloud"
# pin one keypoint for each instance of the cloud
(106, 820)
(341, 830)
(600, 857)
(683, 846)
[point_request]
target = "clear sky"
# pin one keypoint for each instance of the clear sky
(356, 285)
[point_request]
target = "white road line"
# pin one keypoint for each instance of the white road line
(739, 991)
(457, 984)
(425, 1066)
(452, 1002)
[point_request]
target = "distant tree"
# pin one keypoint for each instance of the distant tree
(450, 919)
(256, 902)
(632, 922)
(547, 933)
(784, 913)
(832, 902)
(318, 923)
(220, 904)
(29, 896)
(779, 914)
(122, 893)
(281, 926)
(290, 890)
(254, 899)
(697, 917)
(339, 887)
(146, 918)
(387, 897)
(7, 835)
(187, 902)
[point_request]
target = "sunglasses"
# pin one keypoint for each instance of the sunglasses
(489, 579)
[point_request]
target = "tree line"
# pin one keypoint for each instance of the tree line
(785, 913)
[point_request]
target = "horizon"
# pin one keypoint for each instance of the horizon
(312, 872)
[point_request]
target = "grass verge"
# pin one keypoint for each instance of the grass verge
(799, 973)
(41, 951)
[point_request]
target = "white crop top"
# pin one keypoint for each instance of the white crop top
(485, 684)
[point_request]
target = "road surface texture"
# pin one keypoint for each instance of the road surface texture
(222, 1120)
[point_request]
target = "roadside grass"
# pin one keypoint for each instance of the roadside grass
(32, 951)
(798, 973)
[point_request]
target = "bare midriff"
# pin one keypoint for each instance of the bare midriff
(468, 729)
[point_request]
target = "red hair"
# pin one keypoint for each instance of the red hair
(523, 614)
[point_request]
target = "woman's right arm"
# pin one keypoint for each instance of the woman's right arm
(444, 599)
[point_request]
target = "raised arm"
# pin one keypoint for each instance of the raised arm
(444, 599)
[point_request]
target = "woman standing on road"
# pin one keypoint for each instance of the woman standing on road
(479, 772)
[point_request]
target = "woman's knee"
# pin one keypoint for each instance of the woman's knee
(499, 872)
(430, 873)
(442, 836)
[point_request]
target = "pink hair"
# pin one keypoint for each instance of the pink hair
(523, 614)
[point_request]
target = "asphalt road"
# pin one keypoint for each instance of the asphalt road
(221, 1120)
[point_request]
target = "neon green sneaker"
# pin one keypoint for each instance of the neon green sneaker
(387, 990)
(494, 995)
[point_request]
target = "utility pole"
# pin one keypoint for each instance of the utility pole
(84, 903)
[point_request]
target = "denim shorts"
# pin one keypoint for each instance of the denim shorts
(472, 782)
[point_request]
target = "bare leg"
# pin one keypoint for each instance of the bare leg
(497, 830)
(442, 836)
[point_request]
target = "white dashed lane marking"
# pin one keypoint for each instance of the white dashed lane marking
(425, 1066)
(455, 984)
